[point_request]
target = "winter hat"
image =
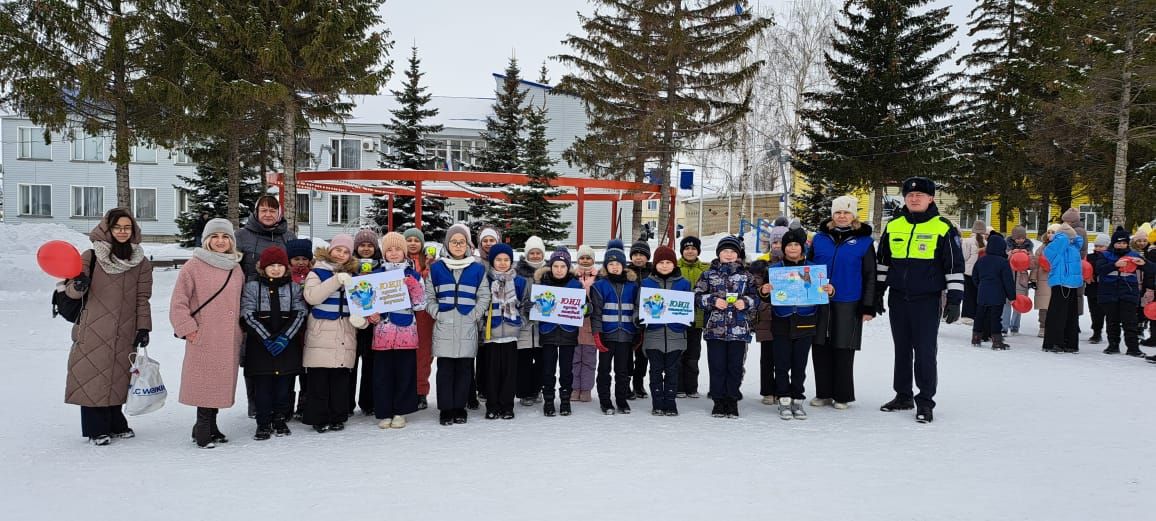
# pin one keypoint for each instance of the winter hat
(1120, 235)
(1071, 216)
(795, 225)
(218, 225)
(730, 242)
(781, 221)
(1019, 233)
(392, 240)
(535, 243)
(273, 255)
(615, 244)
(342, 239)
(996, 245)
(414, 232)
(614, 253)
(979, 226)
(499, 249)
(489, 231)
(1067, 229)
(585, 251)
(1102, 240)
(664, 253)
(845, 203)
(299, 248)
(640, 247)
(797, 235)
(1142, 232)
(918, 184)
(560, 254)
(365, 235)
(776, 234)
(690, 241)
(457, 229)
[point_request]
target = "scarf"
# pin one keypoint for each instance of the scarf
(224, 261)
(458, 264)
(112, 264)
(299, 273)
(505, 293)
(533, 264)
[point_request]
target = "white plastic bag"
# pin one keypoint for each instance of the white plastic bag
(146, 392)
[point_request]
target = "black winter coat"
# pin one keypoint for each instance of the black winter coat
(272, 307)
(993, 275)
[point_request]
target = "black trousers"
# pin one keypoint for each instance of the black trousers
(915, 331)
(988, 320)
(664, 370)
(454, 378)
(364, 361)
(271, 396)
(102, 421)
(562, 359)
(638, 367)
(394, 383)
(1063, 317)
(767, 368)
(1122, 316)
(616, 358)
(791, 365)
(970, 292)
(725, 361)
(328, 396)
(834, 373)
(1096, 310)
(501, 376)
(529, 372)
(481, 374)
(688, 379)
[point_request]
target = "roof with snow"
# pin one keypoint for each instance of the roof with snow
(453, 111)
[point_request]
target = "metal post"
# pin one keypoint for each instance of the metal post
(581, 213)
(389, 220)
(417, 204)
(701, 196)
(614, 219)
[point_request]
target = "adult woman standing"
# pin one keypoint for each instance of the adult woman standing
(845, 245)
(205, 311)
(419, 260)
(1039, 277)
(116, 319)
(972, 248)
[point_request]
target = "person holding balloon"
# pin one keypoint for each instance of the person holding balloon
(1119, 289)
(115, 281)
(1039, 277)
(995, 288)
(1092, 289)
(1020, 262)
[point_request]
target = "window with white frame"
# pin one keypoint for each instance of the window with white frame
(455, 154)
(968, 217)
(87, 148)
(1033, 219)
(180, 156)
(1093, 222)
(87, 201)
(652, 204)
(303, 205)
(144, 153)
(183, 201)
(463, 216)
(346, 153)
(36, 200)
(344, 209)
(32, 145)
(144, 203)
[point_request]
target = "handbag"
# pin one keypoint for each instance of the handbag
(206, 303)
(146, 390)
(68, 307)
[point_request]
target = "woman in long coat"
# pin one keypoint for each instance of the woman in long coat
(116, 319)
(1039, 277)
(208, 293)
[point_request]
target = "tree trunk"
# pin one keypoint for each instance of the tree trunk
(117, 47)
(636, 206)
(233, 167)
(289, 162)
(1003, 213)
(1120, 171)
(877, 213)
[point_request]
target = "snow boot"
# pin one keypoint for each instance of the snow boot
(398, 422)
(797, 410)
(997, 343)
(785, 409)
(1149, 342)
(719, 410)
(819, 402)
(898, 404)
(320, 428)
(732, 408)
(337, 426)
(491, 415)
(203, 428)
(422, 403)
(1135, 352)
(624, 409)
(1151, 359)
(385, 423)
(564, 408)
(1111, 350)
(280, 428)
(264, 432)
(100, 441)
(124, 435)
(923, 415)
(218, 436)
(770, 399)
(976, 339)
(548, 408)
(1095, 339)
(446, 417)
(526, 402)
(508, 415)
(607, 408)
(461, 417)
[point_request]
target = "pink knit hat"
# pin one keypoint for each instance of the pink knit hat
(342, 239)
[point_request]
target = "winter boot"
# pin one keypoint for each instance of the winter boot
(564, 408)
(797, 410)
(997, 343)
(100, 441)
(976, 338)
(508, 415)
(1149, 342)
(897, 404)
(1096, 338)
(422, 403)
(719, 410)
(203, 429)
(280, 428)
(1070, 349)
(732, 408)
(623, 408)
(385, 423)
(461, 417)
(1135, 352)
(446, 417)
(820, 402)
(607, 407)
(398, 422)
(218, 436)
(785, 409)
(923, 415)
(1112, 350)
(473, 403)
(491, 415)
(548, 408)
(264, 432)
(640, 393)
(1151, 359)
(526, 402)
(124, 435)
(337, 426)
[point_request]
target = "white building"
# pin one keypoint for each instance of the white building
(72, 182)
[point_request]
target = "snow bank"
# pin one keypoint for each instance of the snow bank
(19, 272)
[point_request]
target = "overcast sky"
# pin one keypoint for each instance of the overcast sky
(463, 42)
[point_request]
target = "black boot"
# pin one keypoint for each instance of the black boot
(607, 407)
(719, 410)
(1096, 338)
(462, 416)
(548, 408)
(564, 408)
(203, 429)
(898, 404)
(976, 339)
(264, 432)
(1112, 350)
(422, 403)
(997, 342)
(215, 432)
(732, 408)
(280, 427)
(446, 417)
(1149, 342)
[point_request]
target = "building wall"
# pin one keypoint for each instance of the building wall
(718, 213)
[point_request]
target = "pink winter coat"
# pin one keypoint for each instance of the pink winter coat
(388, 336)
(586, 276)
(209, 372)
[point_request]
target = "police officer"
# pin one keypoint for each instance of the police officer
(919, 257)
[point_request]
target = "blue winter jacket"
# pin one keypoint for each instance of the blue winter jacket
(1115, 286)
(993, 275)
(850, 259)
(1064, 256)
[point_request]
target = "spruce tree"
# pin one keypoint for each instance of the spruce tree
(209, 188)
(505, 143)
(530, 213)
(888, 114)
(406, 144)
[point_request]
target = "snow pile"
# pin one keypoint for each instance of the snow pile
(19, 272)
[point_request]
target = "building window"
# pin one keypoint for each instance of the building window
(180, 156)
(344, 209)
(144, 203)
(463, 216)
(967, 218)
(455, 154)
(144, 153)
(87, 201)
(652, 205)
(32, 144)
(302, 209)
(183, 198)
(36, 200)
(87, 148)
(1090, 214)
(346, 153)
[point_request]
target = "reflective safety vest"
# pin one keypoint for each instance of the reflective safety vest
(617, 305)
(334, 306)
(915, 241)
(460, 293)
(403, 317)
(677, 284)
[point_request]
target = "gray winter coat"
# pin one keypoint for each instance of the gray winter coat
(253, 238)
(664, 339)
(456, 335)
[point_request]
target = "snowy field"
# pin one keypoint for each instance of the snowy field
(1018, 435)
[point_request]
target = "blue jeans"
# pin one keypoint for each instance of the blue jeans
(1011, 319)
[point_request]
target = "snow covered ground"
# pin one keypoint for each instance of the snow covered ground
(1018, 435)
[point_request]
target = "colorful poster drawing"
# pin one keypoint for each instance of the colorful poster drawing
(378, 293)
(666, 306)
(798, 285)
(556, 305)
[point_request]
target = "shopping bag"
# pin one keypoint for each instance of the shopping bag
(146, 391)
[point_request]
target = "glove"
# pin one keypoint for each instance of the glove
(345, 279)
(357, 321)
(276, 345)
(80, 283)
(951, 312)
(879, 310)
(598, 343)
(142, 338)
(411, 284)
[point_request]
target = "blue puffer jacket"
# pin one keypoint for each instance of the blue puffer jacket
(850, 259)
(1064, 256)
(730, 325)
(993, 275)
(1115, 286)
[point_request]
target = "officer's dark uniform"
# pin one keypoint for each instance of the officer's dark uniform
(919, 257)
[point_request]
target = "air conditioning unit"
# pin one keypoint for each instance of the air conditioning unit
(317, 195)
(368, 145)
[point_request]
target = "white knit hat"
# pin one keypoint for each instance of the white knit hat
(535, 243)
(845, 203)
(586, 251)
(219, 226)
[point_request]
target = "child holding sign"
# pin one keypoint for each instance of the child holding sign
(558, 340)
(727, 295)
(613, 298)
(665, 343)
(793, 327)
(501, 327)
(395, 342)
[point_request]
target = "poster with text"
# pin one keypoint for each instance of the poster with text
(378, 293)
(798, 285)
(557, 305)
(666, 306)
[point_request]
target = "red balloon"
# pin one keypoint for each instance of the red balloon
(1022, 304)
(1150, 311)
(1129, 265)
(1044, 264)
(1086, 269)
(59, 259)
(1020, 260)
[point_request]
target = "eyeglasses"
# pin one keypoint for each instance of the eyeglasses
(458, 243)
(122, 228)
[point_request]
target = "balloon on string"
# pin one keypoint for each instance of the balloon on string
(1150, 310)
(1019, 260)
(1022, 304)
(1044, 264)
(59, 259)
(1129, 265)
(1086, 270)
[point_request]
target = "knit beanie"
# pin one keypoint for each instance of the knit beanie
(414, 232)
(979, 226)
(498, 249)
(560, 254)
(845, 203)
(299, 248)
(392, 240)
(614, 253)
(690, 241)
(457, 229)
(1142, 232)
(1120, 235)
(1102, 240)
(615, 244)
(797, 235)
(218, 225)
(342, 239)
(585, 251)
(730, 242)
(642, 247)
(1070, 216)
(1019, 233)
(489, 231)
(365, 235)
(273, 255)
(535, 243)
(664, 253)
(776, 234)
